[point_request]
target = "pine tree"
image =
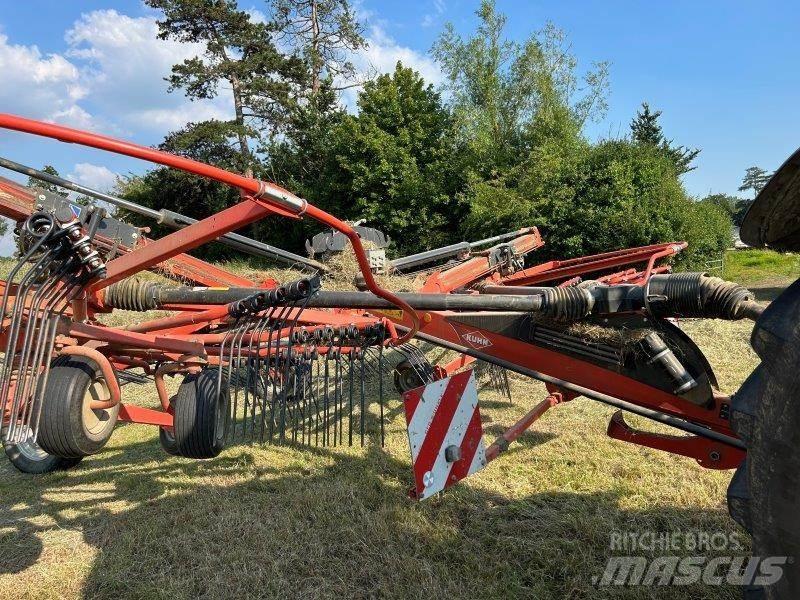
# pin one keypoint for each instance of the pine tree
(755, 178)
(239, 53)
(326, 33)
(645, 129)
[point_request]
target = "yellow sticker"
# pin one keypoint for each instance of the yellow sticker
(392, 314)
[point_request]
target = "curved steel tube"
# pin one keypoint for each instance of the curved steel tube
(105, 368)
(259, 190)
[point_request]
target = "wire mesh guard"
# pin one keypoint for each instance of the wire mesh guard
(61, 261)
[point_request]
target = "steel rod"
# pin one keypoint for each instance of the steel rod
(167, 217)
(335, 299)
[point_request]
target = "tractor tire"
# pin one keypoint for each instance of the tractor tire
(28, 457)
(764, 494)
(68, 427)
(200, 416)
(166, 436)
(409, 375)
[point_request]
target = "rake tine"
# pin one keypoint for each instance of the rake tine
(275, 368)
(316, 400)
(37, 312)
(380, 390)
(363, 399)
(290, 374)
(350, 377)
(236, 350)
(335, 396)
(17, 327)
(266, 321)
(508, 385)
(339, 385)
(325, 402)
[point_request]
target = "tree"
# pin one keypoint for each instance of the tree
(238, 52)
(734, 206)
(645, 129)
(43, 185)
(755, 178)
(393, 164)
(595, 198)
(499, 88)
(725, 202)
(326, 33)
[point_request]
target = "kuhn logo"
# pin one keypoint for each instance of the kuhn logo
(475, 339)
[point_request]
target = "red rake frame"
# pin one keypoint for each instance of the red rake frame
(175, 341)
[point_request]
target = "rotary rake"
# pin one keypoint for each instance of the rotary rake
(294, 363)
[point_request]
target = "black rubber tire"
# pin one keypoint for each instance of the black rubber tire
(166, 436)
(38, 462)
(62, 430)
(764, 495)
(168, 442)
(408, 375)
(201, 416)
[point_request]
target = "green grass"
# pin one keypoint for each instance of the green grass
(133, 522)
(760, 268)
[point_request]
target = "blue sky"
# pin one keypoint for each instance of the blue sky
(721, 72)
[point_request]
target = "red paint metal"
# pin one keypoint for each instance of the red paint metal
(710, 454)
(146, 416)
(564, 269)
(478, 267)
(518, 428)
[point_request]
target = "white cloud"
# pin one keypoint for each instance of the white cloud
(431, 18)
(123, 66)
(40, 86)
(92, 176)
(382, 55)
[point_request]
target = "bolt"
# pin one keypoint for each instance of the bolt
(714, 455)
(452, 453)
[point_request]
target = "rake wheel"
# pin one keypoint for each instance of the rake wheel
(28, 457)
(200, 417)
(166, 436)
(411, 374)
(69, 428)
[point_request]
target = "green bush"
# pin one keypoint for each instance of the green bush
(594, 198)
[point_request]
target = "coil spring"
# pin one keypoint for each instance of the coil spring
(696, 295)
(568, 304)
(132, 294)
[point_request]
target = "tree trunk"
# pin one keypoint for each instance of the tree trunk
(244, 147)
(315, 58)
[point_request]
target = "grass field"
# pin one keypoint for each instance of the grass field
(766, 272)
(132, 522)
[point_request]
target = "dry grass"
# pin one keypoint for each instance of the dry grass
(133, 522)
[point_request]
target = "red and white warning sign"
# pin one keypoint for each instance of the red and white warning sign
(444, 432)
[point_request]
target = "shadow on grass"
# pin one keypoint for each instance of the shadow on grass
(324, 524)
(768, 293)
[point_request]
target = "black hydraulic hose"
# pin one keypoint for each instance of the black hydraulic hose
(134, 295)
